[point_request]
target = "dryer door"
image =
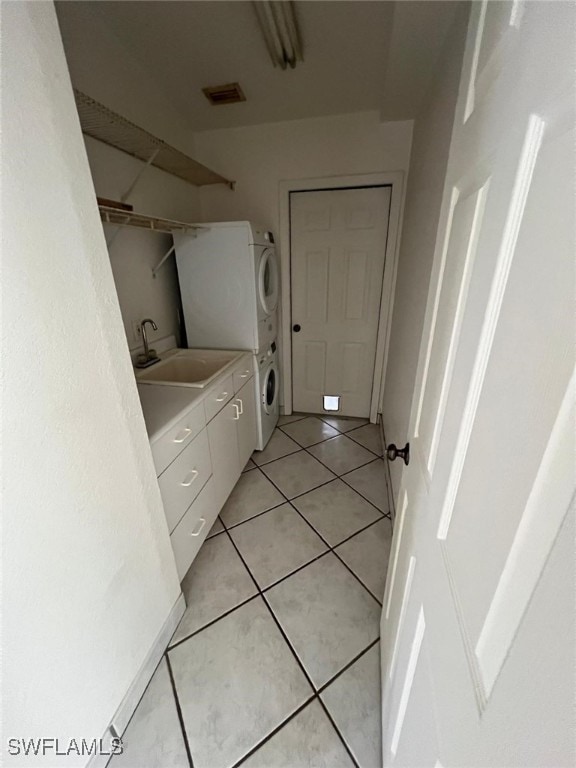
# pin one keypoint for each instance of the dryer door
(268, 282)
(269, 393)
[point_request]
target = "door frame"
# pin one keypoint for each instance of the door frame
(393, 179)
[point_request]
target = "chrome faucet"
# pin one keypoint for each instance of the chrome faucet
(147, 358)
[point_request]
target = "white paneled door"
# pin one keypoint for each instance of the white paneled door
(338, 244)
(478, 616)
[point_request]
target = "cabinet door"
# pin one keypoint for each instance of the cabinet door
(222, 436)
(247, 428)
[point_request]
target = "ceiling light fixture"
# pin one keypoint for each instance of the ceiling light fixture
(279, 26)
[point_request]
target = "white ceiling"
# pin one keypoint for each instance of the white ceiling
(357, 55)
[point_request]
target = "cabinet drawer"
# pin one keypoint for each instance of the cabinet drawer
(217, 398)
(241, 377)
(189, 534)
(182, 481)
(167, 447)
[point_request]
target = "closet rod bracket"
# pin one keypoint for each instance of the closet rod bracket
(163, 260)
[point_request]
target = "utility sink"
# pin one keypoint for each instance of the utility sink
(190, 367)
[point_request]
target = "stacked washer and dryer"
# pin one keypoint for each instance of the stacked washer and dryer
(229, 283)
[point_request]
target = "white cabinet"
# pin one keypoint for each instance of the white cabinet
(189, 534)
(165, 450)
(232, 438)
(241, 376)
(183, 480)
(218, 396)
(245, 401)
(199, 459)
(222, 436)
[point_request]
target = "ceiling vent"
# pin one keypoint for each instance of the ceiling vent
(224, 94)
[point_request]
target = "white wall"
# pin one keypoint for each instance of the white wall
(259, 157)
(102, 66)
(134, 253)
(89, 576)
(432, 132)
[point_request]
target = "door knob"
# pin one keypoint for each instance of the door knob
(296, 328)
(393, 453)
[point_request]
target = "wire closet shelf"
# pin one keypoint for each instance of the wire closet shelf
(123, 218)
(101, 123)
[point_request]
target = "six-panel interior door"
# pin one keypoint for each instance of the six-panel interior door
(477, 622)
(338, 244)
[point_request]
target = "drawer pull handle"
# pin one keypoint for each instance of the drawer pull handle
(182, 435)
(190, 477)
(199, 527)
(223, 396)
(238, 400)
(245, 375)
(237, 412)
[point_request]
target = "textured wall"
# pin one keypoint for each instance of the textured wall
(88, 572)
(259, 157)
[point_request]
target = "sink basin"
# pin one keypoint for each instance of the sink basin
(190, 368)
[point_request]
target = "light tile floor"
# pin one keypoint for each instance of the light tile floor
(275, 663)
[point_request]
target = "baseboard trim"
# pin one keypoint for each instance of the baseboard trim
(138, 686)
(391, 504)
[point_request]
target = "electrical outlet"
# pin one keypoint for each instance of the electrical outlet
(136, 330)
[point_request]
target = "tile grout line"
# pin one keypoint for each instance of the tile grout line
(298, 418)
(314, 689)
(380, 455)
(338, 674)
(332, 549)
(348, 471)
(336, 477)
(261, 593)
(241, 522)
(274, 732)
(211, 622)
(340, 434)
(342, 739)
(341, 477)
(294, 654)
(179, 710)
(385, 514)
(298, 494)
(311, 444)
(358, 579)
(316, 693)
(289, 501)
(258, 514)
(284, 456)
(324, 418)
(139, 700)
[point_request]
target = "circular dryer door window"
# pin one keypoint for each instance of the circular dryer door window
(268, 282)
(270, 388)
